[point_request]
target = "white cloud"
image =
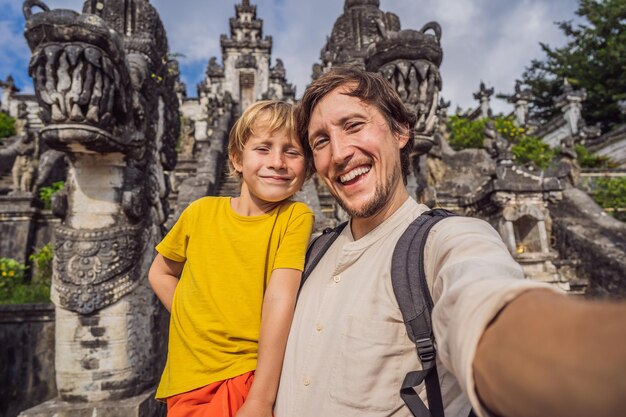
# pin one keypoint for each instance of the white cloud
(490, 40)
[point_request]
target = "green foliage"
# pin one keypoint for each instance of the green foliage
(42, 261)
(7, 125)
(29, 294)
(466, 133)
(532, 149)
(508, 129)
(14, 289)
(594, 58)
(46, 193)
(11, 275)
(610, 192)
(587, 159)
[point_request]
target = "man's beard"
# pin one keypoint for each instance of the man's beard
(381, 197)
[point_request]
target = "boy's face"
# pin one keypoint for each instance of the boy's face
(272, 166)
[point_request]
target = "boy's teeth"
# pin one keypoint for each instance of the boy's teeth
(353, 174)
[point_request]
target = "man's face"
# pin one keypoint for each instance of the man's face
(356, 153)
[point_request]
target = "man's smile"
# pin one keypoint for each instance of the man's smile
(350, 176)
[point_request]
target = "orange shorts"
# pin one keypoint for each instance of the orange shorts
(219, 399)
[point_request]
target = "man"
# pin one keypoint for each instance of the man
(348, 351)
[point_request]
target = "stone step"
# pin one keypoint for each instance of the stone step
(6, 182)
(328, 204)
(229, 186)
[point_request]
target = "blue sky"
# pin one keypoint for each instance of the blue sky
(488, 40)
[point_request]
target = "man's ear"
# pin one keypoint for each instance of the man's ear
(403, 136)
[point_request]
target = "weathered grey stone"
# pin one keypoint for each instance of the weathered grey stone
(17, 213)
(108, 101)
(581, 229)
(27, 356)
(483, 95)
(140, 405)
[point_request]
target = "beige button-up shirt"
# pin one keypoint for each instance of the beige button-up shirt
(348, 351)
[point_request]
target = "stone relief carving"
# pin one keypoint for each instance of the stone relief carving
(246, 61)
(410, 60)
(98, 267)
(214, 69)
(498, 147)
(187, 138)
(25, 166)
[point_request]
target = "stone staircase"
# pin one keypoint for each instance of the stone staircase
(328, 204)
(229, 186)
(6, 182)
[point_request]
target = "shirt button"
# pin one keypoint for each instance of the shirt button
(337, 278)
(319, 327)
(306, 382)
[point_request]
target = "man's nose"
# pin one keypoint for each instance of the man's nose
(341, 149)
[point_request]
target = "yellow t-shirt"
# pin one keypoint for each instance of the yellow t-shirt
(216, 310)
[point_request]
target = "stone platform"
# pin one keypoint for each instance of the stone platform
(143, 405)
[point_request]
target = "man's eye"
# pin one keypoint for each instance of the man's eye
(353, 125)
(319, 142)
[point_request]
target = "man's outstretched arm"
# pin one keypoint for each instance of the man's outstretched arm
(547, 354)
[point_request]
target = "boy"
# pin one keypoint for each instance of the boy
(241, 261)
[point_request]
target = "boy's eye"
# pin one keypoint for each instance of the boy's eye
(293, 152)
(262, 149)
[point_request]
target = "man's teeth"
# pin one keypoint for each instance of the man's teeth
(353, 174)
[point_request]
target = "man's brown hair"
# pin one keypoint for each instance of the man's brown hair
(371, 88)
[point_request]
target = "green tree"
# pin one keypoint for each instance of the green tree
(594, 58)
(7, 125)
(466, 133)
(611, 193)
(587, 159)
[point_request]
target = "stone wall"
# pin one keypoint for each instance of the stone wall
(584, 231)
(26, 356)
(16, 222)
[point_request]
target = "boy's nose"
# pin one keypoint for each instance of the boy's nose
(277, 160)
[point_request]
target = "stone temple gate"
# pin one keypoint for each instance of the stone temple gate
(110, 116)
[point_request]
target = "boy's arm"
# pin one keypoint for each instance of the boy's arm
(163, 278)
(278, 306)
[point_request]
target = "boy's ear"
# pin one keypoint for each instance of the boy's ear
(236, 161)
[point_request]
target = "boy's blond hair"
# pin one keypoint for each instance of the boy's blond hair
(270, 115)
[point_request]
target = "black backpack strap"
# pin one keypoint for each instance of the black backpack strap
(411, 290)
(318, 248)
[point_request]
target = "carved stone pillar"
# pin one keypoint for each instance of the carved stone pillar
(483, 95)
(108, 101)
(410, 61)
